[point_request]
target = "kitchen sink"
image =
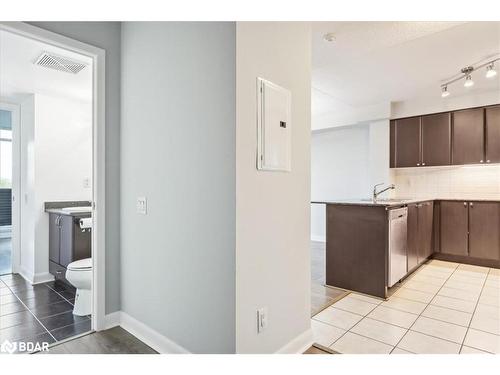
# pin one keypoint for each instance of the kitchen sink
(77, 209)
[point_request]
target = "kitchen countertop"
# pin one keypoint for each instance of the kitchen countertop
(395, 202)
(59, 211)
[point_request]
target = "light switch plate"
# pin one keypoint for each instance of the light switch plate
(142, 205)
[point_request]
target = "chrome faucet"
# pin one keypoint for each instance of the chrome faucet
(377, 193)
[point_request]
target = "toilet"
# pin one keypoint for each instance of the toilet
(79, 274)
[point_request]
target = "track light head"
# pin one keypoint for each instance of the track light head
(468, 81)
(444, 91)
(490, 70)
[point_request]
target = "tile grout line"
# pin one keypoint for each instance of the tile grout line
(60, 295)
(31, 312)
(475, 308)
(419, 315)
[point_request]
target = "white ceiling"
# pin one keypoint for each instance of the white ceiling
(19, 75)
(376, 62)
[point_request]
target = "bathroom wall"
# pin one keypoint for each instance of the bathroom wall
(105, 35)
(63, 160)
(178, 150)
(464, 182)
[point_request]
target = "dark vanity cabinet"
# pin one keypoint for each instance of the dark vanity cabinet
(67, 243)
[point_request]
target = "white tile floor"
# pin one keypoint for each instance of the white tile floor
(442, 308)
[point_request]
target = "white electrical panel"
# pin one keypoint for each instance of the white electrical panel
(273, 127)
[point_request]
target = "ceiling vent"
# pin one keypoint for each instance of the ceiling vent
(63, 64)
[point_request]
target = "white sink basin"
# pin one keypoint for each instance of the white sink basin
(77, 209)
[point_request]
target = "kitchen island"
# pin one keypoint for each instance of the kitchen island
(360, 244)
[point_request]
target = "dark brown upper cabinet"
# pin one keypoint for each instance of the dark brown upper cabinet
(468, 136)
(407, 142)
(493, 134)
(436, 139)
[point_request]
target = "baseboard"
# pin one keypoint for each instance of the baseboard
(27, 275)
(299, 344)
(112, 320)
(146, 334)
(318, 238)
(44, 277)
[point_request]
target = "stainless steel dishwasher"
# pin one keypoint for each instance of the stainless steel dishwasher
(397, 259)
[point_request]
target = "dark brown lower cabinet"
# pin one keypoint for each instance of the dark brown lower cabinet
(454, 227)
(419, 237)
(484, 230)
(412, 236)
(425, 224)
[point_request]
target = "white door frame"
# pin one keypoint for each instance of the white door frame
(16, 181)
(98, 153)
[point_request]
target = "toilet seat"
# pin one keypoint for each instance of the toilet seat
(81, 265)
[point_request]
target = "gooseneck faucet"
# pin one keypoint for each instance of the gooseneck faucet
(377, 193)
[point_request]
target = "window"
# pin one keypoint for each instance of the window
(5, 149)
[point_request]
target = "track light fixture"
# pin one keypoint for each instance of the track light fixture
(466, 73)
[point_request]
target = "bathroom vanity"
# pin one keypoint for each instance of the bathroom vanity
(68, 242)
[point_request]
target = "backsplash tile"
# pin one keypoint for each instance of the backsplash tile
(464, 182)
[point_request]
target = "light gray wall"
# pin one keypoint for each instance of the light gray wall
(178, 150)
(105, 35)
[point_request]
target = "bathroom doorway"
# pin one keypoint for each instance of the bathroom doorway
(54, 288)
(9, 184)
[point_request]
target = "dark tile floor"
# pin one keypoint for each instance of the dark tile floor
(38, 313)
(322, 296)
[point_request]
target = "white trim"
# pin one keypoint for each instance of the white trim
(318, 238)
(5, 104)
(99, 156)
(112, 320)
(34, 278)
(146, 334)
(299, 344)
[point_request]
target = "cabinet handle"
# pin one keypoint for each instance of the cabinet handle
(465, 204)
(471, 204)
(487, 161)
(481, 161)
(423, 163)
(418, 164)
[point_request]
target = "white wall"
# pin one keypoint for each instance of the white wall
(56, 157)
(272, 208)
(178, 150)
(345, 164)
(63, 160)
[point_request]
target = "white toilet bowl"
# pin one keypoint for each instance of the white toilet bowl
(79, 274)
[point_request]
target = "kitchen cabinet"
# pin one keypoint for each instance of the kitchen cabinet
(468, 136)
(484, 230)
(412, 236)
(425, 224)
(420, 229)
(407, 142)
(492, 124)
(454, 227)
(436, 139)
